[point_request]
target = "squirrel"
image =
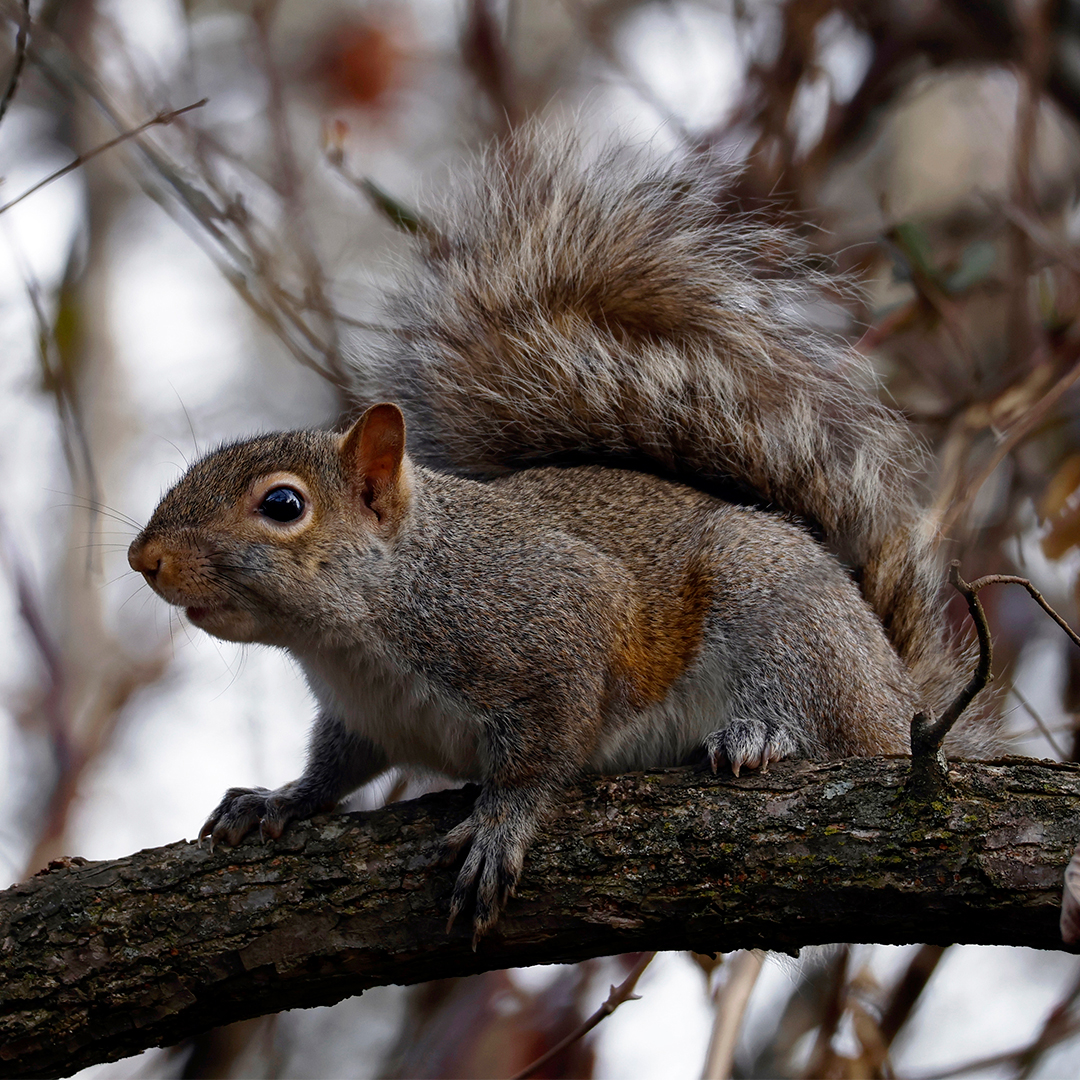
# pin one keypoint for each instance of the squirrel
(645, 514)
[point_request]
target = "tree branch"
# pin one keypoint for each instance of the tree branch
(21, 37)
(928, 767)
(617, 995)
(100, 960)
(162, 119)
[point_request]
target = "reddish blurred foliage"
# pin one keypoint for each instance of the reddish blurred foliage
(362, 63)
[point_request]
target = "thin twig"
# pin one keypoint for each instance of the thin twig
(836, 994)
(57, 379)
(932, 735)
(21, 38)
(484, 54)
(395, 211)
(1060, 1024)
(33, 618)
(1009, 441)
(290, 185)
(1012, 579)
(1057, 1027)
(731, 1002)
(1053, 247)
(174, 192)
(927, 737)
(596, 33)
(908, 990)
(946, 309)
(1032, 17)
(82, 159)
(618, 994)
(1047, 734)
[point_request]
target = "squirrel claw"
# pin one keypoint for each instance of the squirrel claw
(749, 744)
(493, 839)
(242, 810)
(478, 929)
(455, 910)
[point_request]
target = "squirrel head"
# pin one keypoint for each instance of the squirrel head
(251, 541)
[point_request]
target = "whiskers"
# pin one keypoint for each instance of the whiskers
(96, 508)
(230, 577)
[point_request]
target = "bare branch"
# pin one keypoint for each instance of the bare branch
(1061, 1024)
(290, 185)
(983, 674)
(731, 1002)
(928, 769)
(616, 996)
(1012, 579)
(1040, 723)
(1034, 20)
(82, 159)
(103, 959)
(906, 992)
(21, 38)
(822, 1056)
(927, 737)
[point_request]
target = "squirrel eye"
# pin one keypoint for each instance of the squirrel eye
(282, 504)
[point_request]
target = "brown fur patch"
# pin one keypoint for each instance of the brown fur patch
(663, 636)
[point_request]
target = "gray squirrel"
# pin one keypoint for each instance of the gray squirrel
(647, 515)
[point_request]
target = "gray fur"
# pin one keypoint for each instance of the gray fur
(561, 307)
(517, 623)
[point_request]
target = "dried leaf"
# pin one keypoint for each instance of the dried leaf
(1060, 504)
(1062, 484)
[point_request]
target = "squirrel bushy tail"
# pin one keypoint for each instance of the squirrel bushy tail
(570, 309)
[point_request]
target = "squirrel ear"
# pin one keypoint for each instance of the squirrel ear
(371, 452)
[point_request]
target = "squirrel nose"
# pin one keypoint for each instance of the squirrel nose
(145, 557)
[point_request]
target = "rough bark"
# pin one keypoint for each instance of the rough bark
(100, 960)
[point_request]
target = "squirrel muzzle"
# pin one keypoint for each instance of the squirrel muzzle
(172, 572)
(146, 558)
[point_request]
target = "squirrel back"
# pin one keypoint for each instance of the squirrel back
(564, 310)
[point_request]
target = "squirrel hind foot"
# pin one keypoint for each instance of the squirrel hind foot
(495, 835)
(749, 744)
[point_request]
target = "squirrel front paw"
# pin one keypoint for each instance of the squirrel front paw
(495, 835)
(242, 809)
(749, 744)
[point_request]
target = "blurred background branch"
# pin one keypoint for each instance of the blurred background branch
(927, 148)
